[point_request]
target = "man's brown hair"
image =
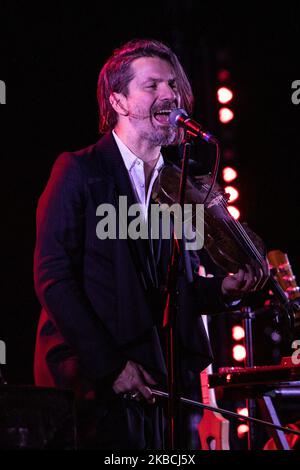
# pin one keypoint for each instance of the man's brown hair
(116, 75)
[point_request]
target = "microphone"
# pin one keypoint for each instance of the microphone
(179, 118)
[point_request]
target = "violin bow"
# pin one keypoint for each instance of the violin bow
(187, 401)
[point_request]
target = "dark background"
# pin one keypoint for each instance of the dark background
(50, 60)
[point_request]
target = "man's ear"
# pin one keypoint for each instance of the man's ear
(118, 102)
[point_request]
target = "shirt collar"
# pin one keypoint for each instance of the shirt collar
(130, 159)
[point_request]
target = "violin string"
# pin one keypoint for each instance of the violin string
(275, 287)
(241, 231)
(246, 240)
(236, 228)
(215, 173)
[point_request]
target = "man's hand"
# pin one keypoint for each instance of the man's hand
(244, 281)
(134, 378)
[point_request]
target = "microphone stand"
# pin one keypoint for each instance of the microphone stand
(248, 316)
(170, 315)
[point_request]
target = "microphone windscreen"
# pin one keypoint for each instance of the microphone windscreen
(175, 114)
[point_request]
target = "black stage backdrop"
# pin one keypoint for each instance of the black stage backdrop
(50, 58)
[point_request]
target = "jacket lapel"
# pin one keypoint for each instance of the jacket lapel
(111, 163)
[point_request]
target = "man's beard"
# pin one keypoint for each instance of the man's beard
(162, 137)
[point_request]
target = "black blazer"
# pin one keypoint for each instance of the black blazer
(98, 297)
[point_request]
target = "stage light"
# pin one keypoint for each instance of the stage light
(226, 115)
(229, 174)
(233, 193)
(243, 411)
(242, 429)
(224, 75)
(239, 352)
(224, 95)
(234, 212)
(238, 332)
(228, 154)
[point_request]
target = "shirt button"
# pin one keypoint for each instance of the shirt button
(142, 185)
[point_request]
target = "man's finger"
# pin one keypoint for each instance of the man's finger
(250, 283)
(239, 279)
(239, 276)
(149, 379)
(251, 279)
(147, 394)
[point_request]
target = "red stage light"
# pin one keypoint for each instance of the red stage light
(223, 75)
(226, 115)
(238, 332)
(224, 95)
(229, 174)
(233, 193)
(239, 352)
(234, 212)
(228, 154)
(242, 429)
(243, 411)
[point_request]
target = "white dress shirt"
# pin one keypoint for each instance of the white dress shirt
(135, 168)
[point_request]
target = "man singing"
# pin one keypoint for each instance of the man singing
(100, 331)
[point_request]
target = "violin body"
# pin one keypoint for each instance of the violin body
(228, 242)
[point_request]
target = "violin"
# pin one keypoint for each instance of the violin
(231, 244)
(225, 239)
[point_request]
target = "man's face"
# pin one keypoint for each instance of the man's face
(152, 94)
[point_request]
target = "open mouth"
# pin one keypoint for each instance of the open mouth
(162, 116)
